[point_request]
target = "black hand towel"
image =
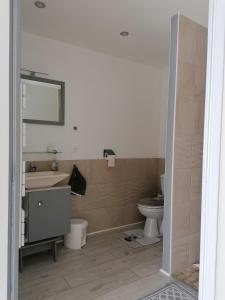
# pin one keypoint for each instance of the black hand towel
(77, 182)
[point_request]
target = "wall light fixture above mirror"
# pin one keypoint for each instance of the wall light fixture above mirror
(43, 100)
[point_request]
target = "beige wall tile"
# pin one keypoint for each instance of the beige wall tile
(112, 193)
(185, 116)
(77, 201)
(198, 111)
(104, 195)
(182, 186)
(153, 166)
(187, 40)
(196, 187)
(201, 46)
(136, 190)
(194, 248)
(197, 151)
(104, 218)
(41, 166)
(200, 83)
(93, 198)
(131, 214)
(190, 117)
(195, 217)
(98, 219)
(191, 83)
(77, 204)
(196, 184)
(77, 212)
(66, 166)
(188, 147)
(181, 220)
(182, 151)
(186, 81)
(116, 214)
(141, 169)
(180, 255)
(99, 172)
(192, 42)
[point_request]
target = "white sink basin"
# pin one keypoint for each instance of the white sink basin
(35, 180)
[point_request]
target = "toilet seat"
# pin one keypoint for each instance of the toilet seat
(151, 203)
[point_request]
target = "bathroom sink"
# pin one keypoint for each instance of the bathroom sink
(35, 180)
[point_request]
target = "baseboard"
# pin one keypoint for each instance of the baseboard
(165, 273)
(114, 228)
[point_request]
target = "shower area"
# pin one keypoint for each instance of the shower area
(184, 150)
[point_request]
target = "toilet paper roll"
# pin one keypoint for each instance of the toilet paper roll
(111, 160)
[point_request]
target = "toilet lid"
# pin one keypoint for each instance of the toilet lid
(152, 202)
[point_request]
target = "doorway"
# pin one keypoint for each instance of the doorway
(205, 298)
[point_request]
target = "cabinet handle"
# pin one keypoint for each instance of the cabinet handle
(40, 203)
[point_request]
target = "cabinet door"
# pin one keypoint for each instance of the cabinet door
(49, 214)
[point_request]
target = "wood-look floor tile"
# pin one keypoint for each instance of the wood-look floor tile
(43, 289)
(106, 264)
(137, 289)
(97, 287)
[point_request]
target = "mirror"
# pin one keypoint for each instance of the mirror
(43, 100)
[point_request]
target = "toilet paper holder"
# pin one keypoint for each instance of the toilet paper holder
(107, 152)
(110, 156)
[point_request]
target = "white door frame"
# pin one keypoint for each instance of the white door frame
(220, 270)
(4, 150)
(10, 147)
(211, 150)
(15, 145)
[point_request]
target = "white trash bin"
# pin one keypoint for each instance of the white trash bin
(77, 236)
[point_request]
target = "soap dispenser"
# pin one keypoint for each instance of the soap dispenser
(54, 165)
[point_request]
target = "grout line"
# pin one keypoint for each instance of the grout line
(69, 286)
(114, 228)
(165, 273)
(67, 283)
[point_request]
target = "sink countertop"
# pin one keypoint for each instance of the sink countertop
(45, 179)
(48, 188)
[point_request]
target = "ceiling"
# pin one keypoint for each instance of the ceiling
(96, 24)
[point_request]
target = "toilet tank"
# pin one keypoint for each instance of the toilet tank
(162, 183)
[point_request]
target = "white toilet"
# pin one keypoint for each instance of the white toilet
(152, 209)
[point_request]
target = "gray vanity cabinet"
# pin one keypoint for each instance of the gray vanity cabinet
(48, 213)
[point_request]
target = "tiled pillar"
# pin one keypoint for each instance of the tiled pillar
(188, 143)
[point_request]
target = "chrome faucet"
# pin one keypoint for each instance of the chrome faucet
(33, 167)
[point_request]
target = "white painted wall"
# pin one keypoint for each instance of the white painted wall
(4, 138)
(115, 103)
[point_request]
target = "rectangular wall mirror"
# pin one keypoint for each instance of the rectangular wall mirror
(43, 100)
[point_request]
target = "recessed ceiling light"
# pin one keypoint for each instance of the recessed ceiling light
(124, 33)
(39, 4)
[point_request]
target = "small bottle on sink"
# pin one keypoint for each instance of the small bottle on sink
(54, 165)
